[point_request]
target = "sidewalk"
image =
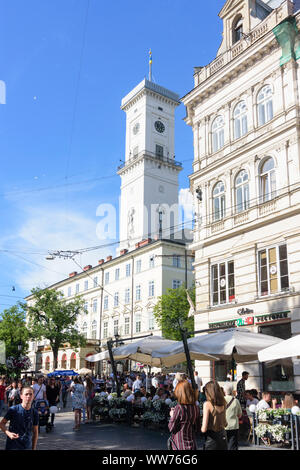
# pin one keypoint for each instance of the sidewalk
(97, 436)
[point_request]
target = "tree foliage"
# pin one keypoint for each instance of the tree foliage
(53, 318)
(172, 310)
(13, 330)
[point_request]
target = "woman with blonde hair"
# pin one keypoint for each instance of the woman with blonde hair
(288, 401)
(214, 417)
(185, 418)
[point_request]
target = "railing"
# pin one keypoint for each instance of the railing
(277, 15)
(153, 156)
(256, 209)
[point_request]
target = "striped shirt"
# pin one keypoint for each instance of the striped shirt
(183, 426)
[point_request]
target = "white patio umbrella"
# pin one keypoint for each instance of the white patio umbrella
(84, 371)
(142, 351)
(284, 349)
(241, 344)
(45, 371)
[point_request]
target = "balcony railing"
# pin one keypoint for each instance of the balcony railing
(155, 157)
(277, 15)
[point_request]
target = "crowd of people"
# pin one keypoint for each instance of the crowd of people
(224, 409)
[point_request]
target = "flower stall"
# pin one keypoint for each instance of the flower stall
(276, 426)
(110, 408)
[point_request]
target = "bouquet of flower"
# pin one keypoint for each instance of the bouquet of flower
(20, 362)
(116, 402)
(117, 413)
(100, 411)
(172, 404)
(276, 431)
(153, 417)
(158, 405)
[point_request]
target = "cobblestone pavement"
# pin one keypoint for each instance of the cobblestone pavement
(102, 436)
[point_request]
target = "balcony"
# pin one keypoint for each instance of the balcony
(152, 156)
(286, 200)
(266, 26)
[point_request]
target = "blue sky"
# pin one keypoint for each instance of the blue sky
(66, 65)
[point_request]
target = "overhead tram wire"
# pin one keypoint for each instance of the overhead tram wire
(100, 286)
(63, 185)
(182, 224)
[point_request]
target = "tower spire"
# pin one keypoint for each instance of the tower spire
(150, 66)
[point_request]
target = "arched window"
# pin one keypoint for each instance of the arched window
(217, 133)
(242, 191)
(219, 201)
(265, 105)
(84, 329)
(73, 361)
(64, 361)
(267, 180)
(237, 30)
(240, 120)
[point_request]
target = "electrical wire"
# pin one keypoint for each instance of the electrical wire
(101, 286)
(207, 216)
(62, 185)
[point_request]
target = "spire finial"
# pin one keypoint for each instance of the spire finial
(150, 65)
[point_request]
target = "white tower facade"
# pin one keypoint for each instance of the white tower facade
(149, 175)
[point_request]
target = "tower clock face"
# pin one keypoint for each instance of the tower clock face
(159, 126)
(136, 128)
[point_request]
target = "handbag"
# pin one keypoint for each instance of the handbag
(170, 442)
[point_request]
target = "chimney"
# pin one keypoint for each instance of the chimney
(144, 242)
(109, 258)
(101, 261)
(123, 252)
(86, 268)
(73, 274)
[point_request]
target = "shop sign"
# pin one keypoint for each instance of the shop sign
(244, 311)
(271, 317)
(233, 323)
(246, 321)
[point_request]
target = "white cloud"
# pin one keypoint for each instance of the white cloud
(50, 229)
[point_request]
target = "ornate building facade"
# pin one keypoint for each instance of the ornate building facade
(244, 112)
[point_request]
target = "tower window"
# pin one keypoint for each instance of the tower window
(237, 31)
(160, 109)
(159, 151)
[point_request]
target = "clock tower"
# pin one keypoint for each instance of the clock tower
(149, 174)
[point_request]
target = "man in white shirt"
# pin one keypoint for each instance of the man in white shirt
(137, 384)
(198, 380)
(39, 390)
(155, 381)
(263, 404)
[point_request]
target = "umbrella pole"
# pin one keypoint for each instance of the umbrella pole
(113, 366)
(188, 357)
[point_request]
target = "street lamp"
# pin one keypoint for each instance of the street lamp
(20, 346)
